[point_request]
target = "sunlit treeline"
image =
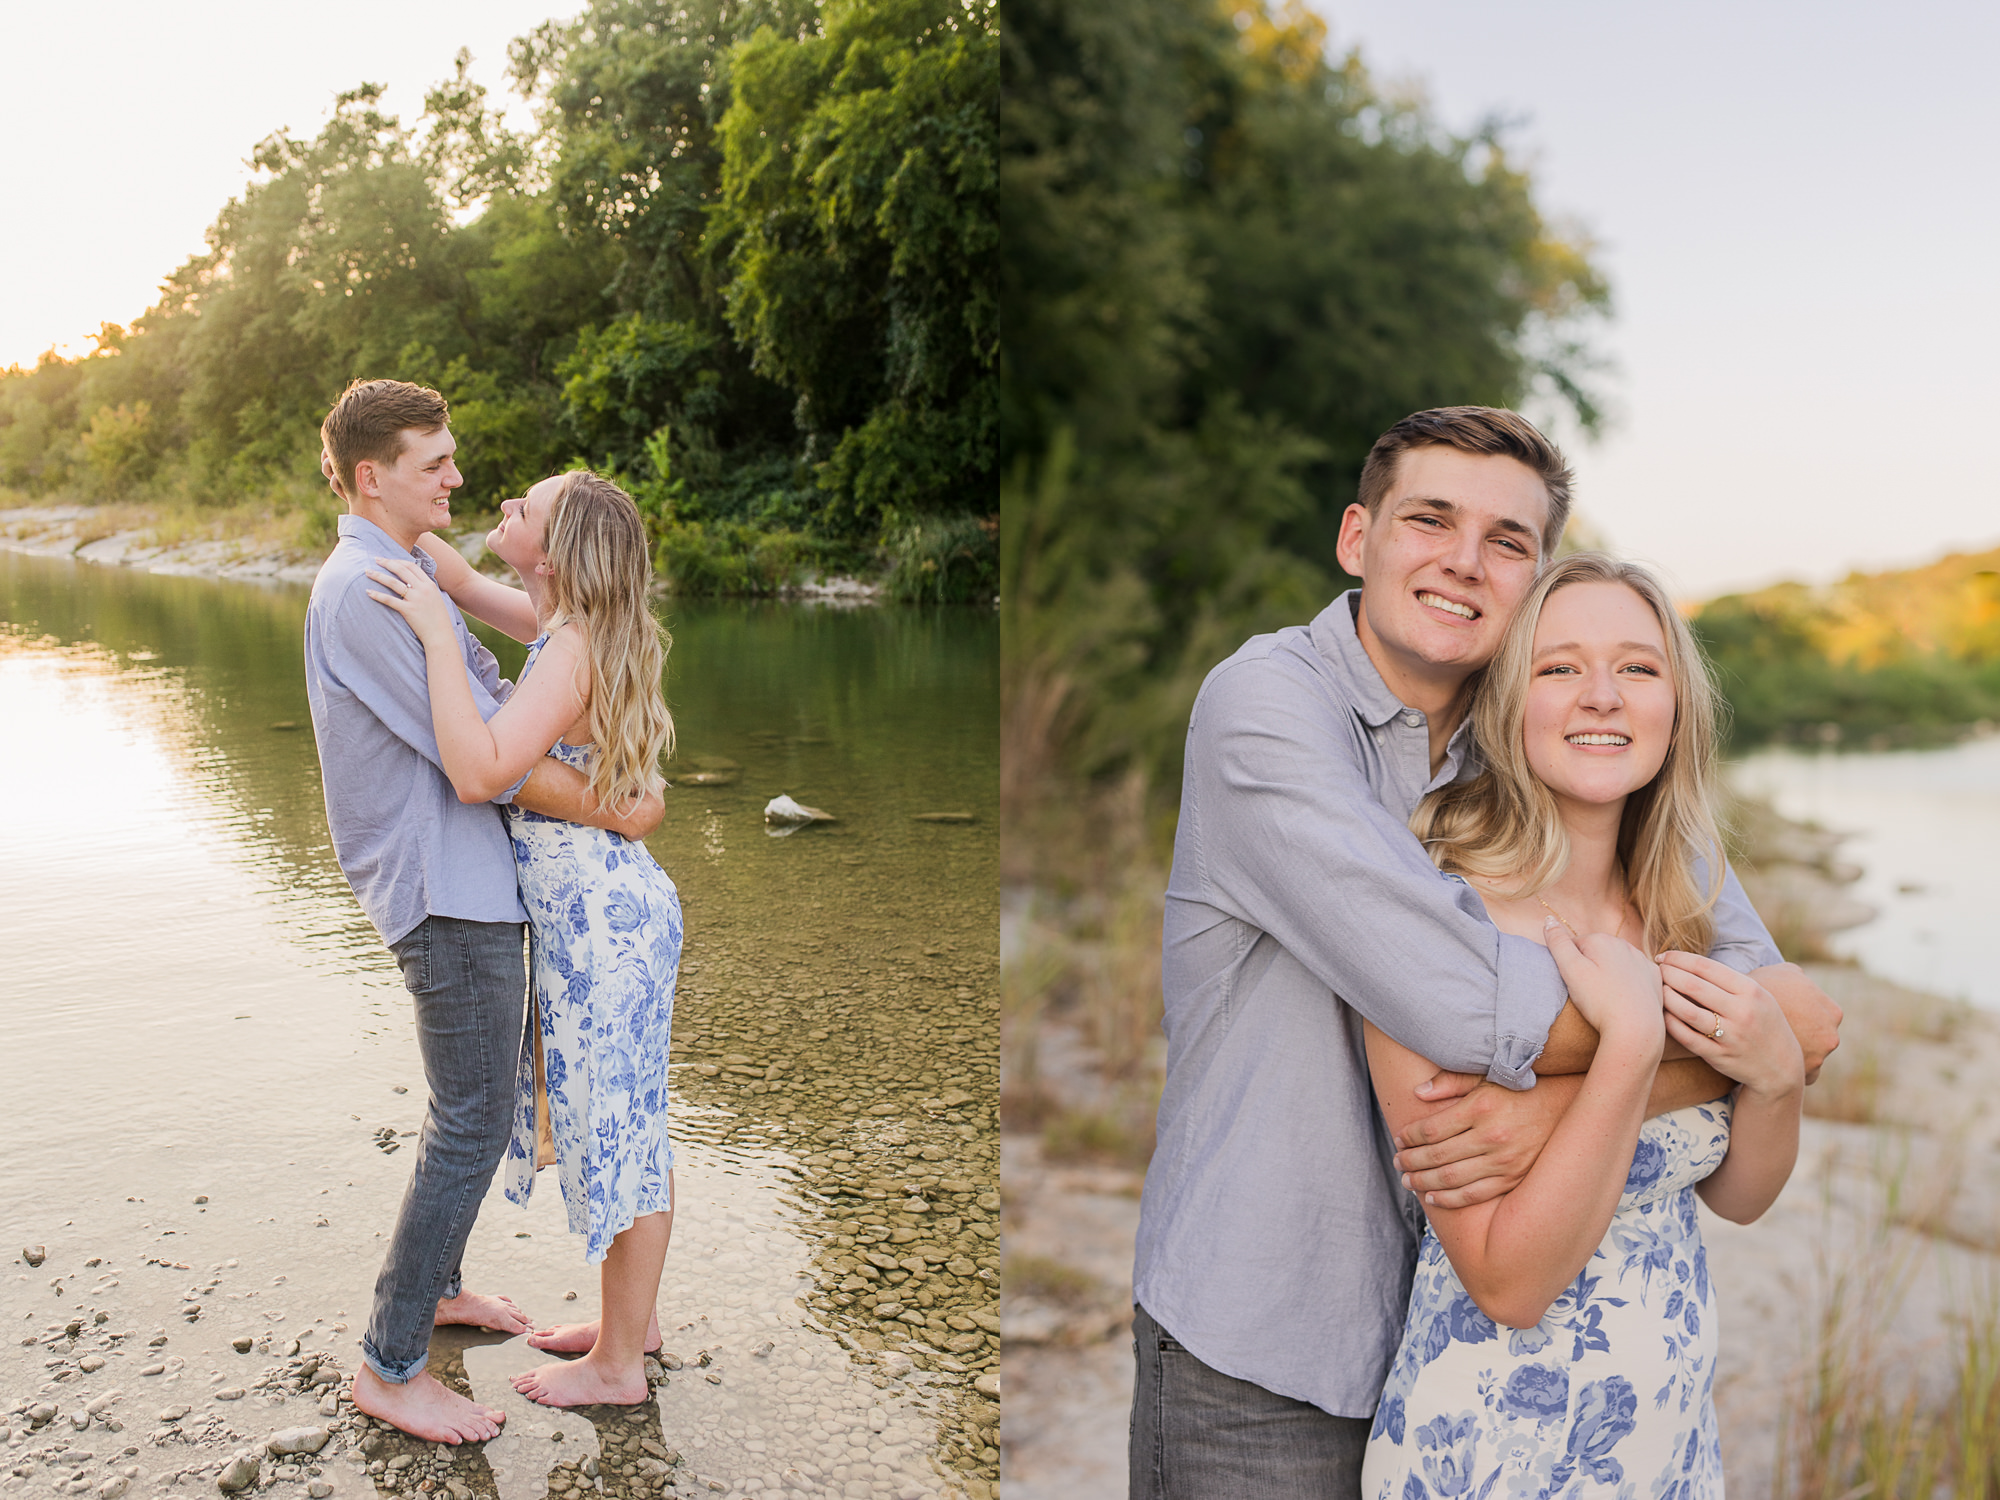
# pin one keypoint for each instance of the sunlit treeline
(745, 261)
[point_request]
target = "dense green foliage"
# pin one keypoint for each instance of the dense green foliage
(747, 264)
(1231, 263)
(1877, 659)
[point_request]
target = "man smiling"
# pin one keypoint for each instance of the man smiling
(434, 875)
(1276, 1243)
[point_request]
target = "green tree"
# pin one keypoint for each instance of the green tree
(858, 195)
(1232, 261)
(574, 293)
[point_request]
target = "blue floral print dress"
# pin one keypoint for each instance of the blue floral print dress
(1608, 1396)
(604, 926)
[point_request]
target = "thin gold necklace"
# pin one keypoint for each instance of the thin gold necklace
(1559, 917)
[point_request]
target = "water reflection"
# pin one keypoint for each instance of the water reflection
(218, 1053)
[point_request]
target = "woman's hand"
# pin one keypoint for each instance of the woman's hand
(416, 598)
(1732, 1023)
(1612, 984)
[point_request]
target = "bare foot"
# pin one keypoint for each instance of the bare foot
(475, 1310)
(581, 1338)
(424, 1408)
(582, 1382)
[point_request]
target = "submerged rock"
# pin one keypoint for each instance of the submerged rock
(782, 809)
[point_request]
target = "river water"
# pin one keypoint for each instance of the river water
(212, 1074)
(1923, 826)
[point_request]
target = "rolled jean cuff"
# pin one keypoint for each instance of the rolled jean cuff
(1531, 995)
(391, 1373)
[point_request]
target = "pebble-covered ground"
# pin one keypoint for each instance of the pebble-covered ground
(837, 1337)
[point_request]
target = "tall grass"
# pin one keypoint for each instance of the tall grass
(1869, 1417)
(1086, 963)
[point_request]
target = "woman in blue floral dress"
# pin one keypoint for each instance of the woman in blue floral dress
(1561, 1340)
(604, 919)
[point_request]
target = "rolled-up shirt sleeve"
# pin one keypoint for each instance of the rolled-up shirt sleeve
(1741, 939)
(1291, 840)
(377, 656)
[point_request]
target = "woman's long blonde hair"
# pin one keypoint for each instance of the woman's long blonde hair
(600, 564)
(1502, 828)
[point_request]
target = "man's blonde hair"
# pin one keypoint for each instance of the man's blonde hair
(1502, 827)
(600, 567)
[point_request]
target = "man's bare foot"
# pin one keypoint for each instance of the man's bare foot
(582, 1382)
(476, 1310)
(424, 1408)
(581, 1338)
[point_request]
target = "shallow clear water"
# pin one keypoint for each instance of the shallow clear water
(1924, 826)
(196, 1010)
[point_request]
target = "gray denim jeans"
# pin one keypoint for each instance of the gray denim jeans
(1198, 1434)
(469, 986)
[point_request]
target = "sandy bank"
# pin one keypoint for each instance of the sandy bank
(127, 537)
(95, 536)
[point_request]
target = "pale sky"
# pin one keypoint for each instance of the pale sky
(127, 127)
(1797, 208)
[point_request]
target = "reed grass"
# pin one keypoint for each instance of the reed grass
(1090, 875)
(1850, 1085)
(1044, 1280)
(1862, 1420)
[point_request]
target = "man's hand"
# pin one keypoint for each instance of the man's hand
(642, 819)
(556, 789)
(1814, 1019)
(1483, 1143)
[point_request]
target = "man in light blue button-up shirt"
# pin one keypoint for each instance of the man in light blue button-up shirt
(434, 874)
(1276, 1240)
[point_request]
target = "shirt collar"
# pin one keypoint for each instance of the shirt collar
(1339, 645)
(365, 531)
(1335, 638)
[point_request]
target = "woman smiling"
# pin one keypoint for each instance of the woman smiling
(1562, 1337)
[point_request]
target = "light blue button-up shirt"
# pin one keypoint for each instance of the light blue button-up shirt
(406, 843)
(1276, 1242)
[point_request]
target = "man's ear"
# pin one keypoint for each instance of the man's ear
(366, 480)
(1353, 529)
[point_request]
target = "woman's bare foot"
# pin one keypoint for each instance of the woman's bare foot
(424, 1408)
(476, 1310)
(581, 1338)
(582, 1382)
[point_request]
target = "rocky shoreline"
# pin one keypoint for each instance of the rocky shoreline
(80, 532)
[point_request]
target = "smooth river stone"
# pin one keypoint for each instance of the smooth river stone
(297, 1440)
(240, 1473)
